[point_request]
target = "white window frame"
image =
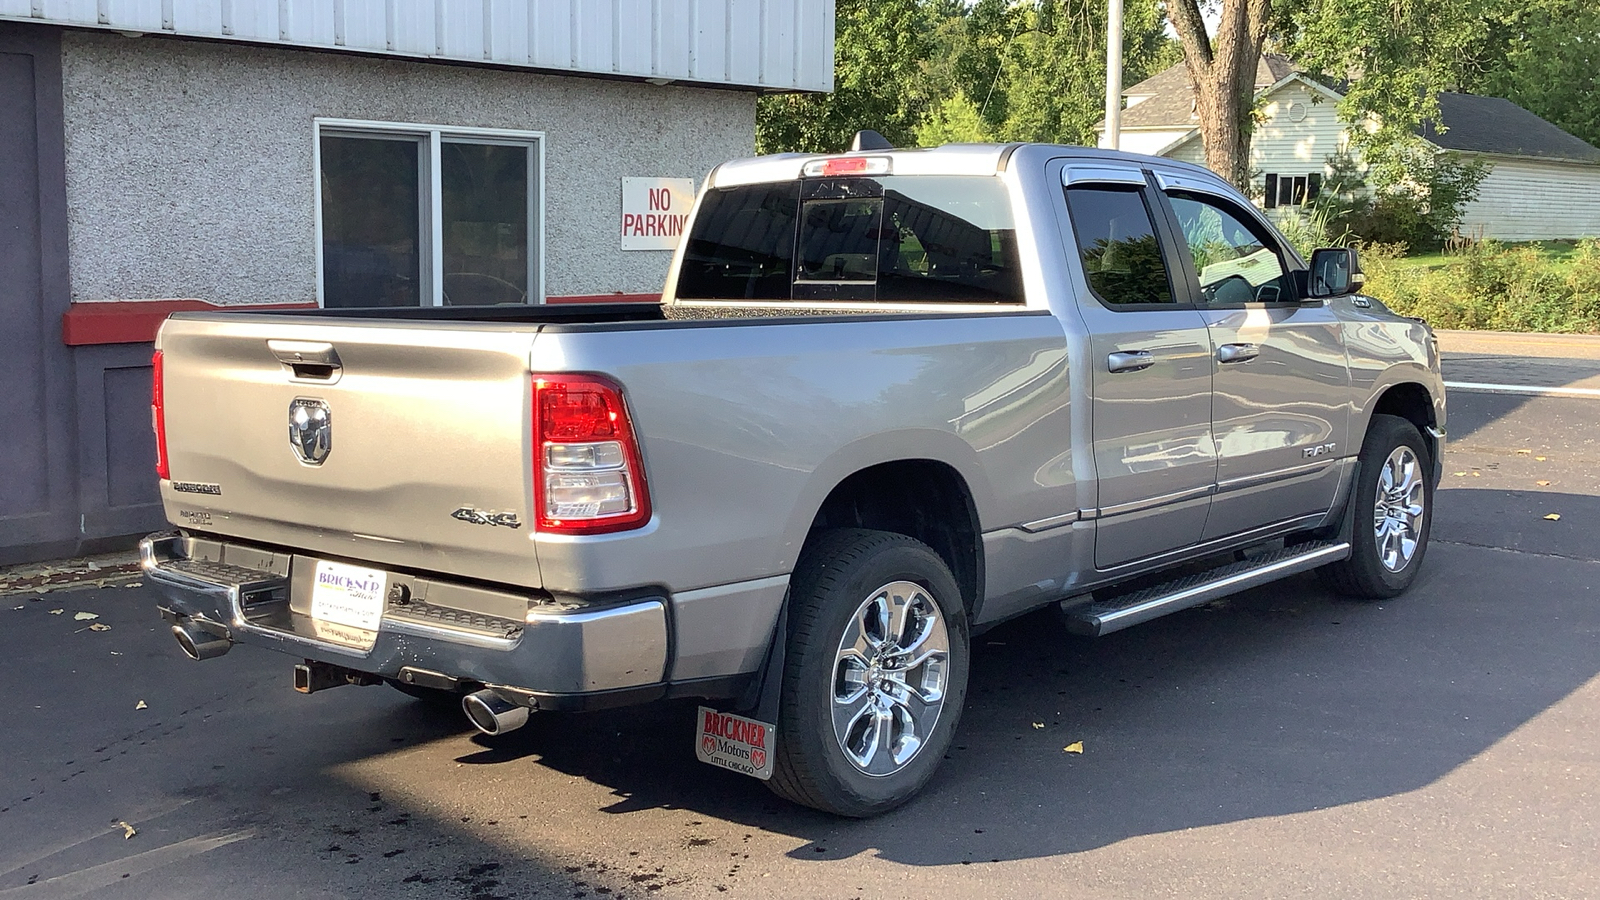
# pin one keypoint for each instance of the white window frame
(430, 192)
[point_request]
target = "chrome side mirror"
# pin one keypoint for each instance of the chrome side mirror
(1335, 271)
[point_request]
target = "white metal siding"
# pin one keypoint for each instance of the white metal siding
(775, 44)
(1530, 200)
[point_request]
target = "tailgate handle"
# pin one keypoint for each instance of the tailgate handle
(307, 360)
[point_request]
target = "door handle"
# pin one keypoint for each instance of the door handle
(1237, 352)
(1129, 360)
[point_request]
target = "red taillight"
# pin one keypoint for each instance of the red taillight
(588, 476)
(158, 418)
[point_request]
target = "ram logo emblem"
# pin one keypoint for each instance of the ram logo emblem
(1319, 450)
(310, 430)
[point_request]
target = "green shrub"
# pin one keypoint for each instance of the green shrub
(1493, 287)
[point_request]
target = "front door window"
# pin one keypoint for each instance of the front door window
(1236, 263)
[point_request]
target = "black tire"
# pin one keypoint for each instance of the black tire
(838, 574)
(1365, 574)
(435, 697)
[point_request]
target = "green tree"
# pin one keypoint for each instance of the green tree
(1054, 68)
(1397, 56)
(955, 120)
(968, 43)
(878, 48)
(934, 71)
(1544, 56)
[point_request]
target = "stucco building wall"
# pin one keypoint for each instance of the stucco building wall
(190, 165)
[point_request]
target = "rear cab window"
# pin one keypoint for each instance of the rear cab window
(886, 239)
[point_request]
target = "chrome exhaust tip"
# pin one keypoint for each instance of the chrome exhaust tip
(493, 714)
(197, 643)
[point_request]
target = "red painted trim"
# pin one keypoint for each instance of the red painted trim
(136, 321)
(606, 298)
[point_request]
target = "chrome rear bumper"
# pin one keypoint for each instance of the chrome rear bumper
(250, 595)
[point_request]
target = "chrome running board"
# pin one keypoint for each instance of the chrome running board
(1118, 612)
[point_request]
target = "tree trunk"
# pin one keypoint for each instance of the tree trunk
(1222, 71)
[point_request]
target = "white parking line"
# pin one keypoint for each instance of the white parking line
(1535, 390)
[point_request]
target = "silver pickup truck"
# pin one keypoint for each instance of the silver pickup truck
(890, 399)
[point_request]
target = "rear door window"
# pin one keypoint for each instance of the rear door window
(898, 238)
(1117, 242)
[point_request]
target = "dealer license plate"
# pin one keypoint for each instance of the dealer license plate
(348, 596)
(734, 742)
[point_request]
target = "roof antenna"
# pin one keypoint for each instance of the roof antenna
(869, 140)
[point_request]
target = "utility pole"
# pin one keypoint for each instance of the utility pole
(1114, 74)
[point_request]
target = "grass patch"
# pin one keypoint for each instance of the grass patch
(1557, 252)
(1551, 286)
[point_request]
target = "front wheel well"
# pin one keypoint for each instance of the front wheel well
(922, 499)
(1412, 402)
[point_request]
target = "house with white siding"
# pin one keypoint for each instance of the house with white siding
(1543, 183)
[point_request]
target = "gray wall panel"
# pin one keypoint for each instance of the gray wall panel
(38, 498)
(190, 167)
(116, 457)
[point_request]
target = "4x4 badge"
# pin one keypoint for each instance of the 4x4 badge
(478, 517)
(310, 430)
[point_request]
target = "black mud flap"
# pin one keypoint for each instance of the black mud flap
(761, 698)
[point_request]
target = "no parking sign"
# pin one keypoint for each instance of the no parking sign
(654, 211)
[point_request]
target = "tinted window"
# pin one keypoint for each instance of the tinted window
(1117, 242)
(742, 244)
(1236, 263)
(906, 238)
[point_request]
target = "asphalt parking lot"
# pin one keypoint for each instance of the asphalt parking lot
(1282, 742)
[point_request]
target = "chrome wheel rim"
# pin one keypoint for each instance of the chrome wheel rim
(1397, 515)
(889, 678)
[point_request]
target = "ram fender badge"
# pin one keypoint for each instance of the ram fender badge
(478, 517)
(1319, 450)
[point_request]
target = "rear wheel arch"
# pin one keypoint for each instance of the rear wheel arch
(924, 499)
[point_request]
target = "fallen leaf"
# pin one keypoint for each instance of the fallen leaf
(141, 705)
(99, 626)
(128, 831)
(1459, 474)
(57, 612)
(1524, 452)
(1477, 474)
(1038, 724)
(134, 584)
(1074, 747)
(1554, 517)
(1542, 483)
(84, 616)
(1539, 458)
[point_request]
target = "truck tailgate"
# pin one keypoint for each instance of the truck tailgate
(426, 465)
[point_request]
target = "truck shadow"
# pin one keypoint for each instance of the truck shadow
(1277, 701)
